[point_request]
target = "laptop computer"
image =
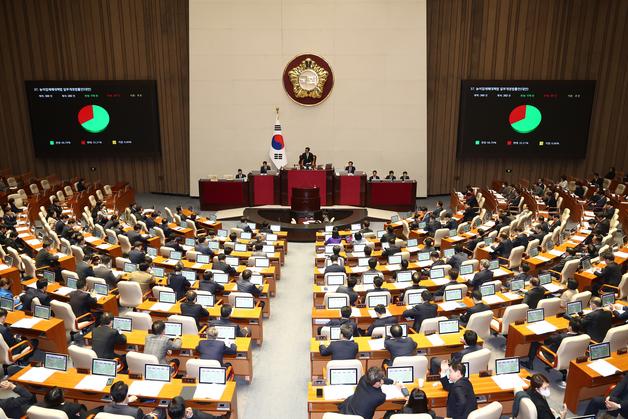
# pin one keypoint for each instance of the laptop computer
(221, 277)
(367, 278)
(454, 294)
(6, 303)
(42, 312)
(493, 265)
(71, 282)
(244, 302)
(190, 276)
(573, 307)
(58, 362)
(123, 324)
(175, 255)
(394, 260)
(101, 289)
(373, 301)
(448, 326)
(245, 235)
(226, 332)
(201, 258)
(447, 253)
(600, 351)
(507, 366)
(487, 289)
(158, 272)
(49, 276)
(157, 372)
(212, 375)
(106, 367)
(607, 299)
(403, 375)
(337, 302)
(167, 297)
(545, 278)
(535, 315)
(343, 376)
(205, 300)
(423, 256)
(466, 269)
(173, 329)
(334, 280)
(130, 267)
(517, 284)
(437, 273)
(404, 276)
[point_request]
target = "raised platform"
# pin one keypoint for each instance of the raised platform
(373, 213)
(304, 232)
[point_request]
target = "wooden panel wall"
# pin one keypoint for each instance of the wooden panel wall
(525, 39)
(97, 40)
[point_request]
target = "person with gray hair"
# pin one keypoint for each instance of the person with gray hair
(159, 344)
(485, 275)
(368, 394)
(212, 348)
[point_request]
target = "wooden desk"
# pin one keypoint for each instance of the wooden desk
(437, 397)
(223, 194)
(68, 381)
(393, 196)
(584, 383)
(242, 362)
(520, 337)
(250, 318)
(13, 275)
(52, 331)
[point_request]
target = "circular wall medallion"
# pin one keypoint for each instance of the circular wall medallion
(308, 79)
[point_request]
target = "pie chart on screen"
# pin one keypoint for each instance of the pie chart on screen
(93, 118)
(525, 118)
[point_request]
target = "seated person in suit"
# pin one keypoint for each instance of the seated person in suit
(265, 167)
(335, 237)
(524, 274)
(428, 245)
(470, 340)
(378, 281)
(615, 404)
(80, 300)
(436, 259)
(307, 159)
(40, 293)
(366, 227)
(202, 247)
(349, 289)
(397, 345)
(137, 254)
(404, 176)
(392, 248)
(373, 176)
(478, 307)
(609, 275)
(502, 246)
(598, 321)
(212, 348)
(422, 311)
(484, 275)
(334, 266)
(191, 309)
(7, 334)
(391, 175)
(417, 277)
(567, 295)
(177, 281)
(244, 284)
(460, 398)
(143, 277)
(448, 221)
(240, 175)
(368, 394)
(453, 280)
(177, 410)
(383, 318)
(105, 338)
(102, 270)
(350, 168)
(224, 320)
(120, 401)
(158, 344)
(459, 256)
(344, 348)
(207, 283)
(389, 234)
(570, 254)
(15, 407)
(358, 239)
(538, 393)
(221, 265)
(44, 257)
(553, 342)
(520, 238)
(54, 400)
(176, 244)
(244, 226)
(534, 294)
(345, 318)
(135, 235)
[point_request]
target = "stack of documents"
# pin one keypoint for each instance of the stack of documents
(541, 328)
(92, 382)
(602, 367)
(146, 388)
(209, 391)
(508, 381)
(338, 392)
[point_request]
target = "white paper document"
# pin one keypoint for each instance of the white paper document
(209, 391)
(435, 340)
(91, 239)
(376, 344)
(556, 252)
(197, 266)
(392, 391)
(26, 323)
(541, 328)
(145, 388)
(3, 266)
(602, 367)
(493, 299)
(622, 255)
(64, 290)
(103, 246)
(512, 295)
(373, 314)
(359, 269)
(552, 287)
(424, 263)
(338, 392)
(355, 312)
(499, 273)
(440, 281)
(541, 258)
(508, 381)
(394, 267)
(449, 305)
(161, 306)
(92, 382)
(33, 242)
(37, 375)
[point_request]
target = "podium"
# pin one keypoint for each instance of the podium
(306, 203)
(350, 189)
(264, 188)
(322, 179)
(223, 194)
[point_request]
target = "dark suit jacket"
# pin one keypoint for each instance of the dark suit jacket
(105, 273)
(194, 310)
(533, 296)
(211, 286)
(222, 266)
(134, 236)
(8, 336)
(456, 260)
(15, 407)
(137, 256)
(104, 341)
(380, 322)
(457, 356)
(480, 278)
(341, 321)
(353, 296)
(83, 270)
(334, 268)
(478, 308)
(121, 409)
(597, 323)
(215, 349)
(610, 274)
(203, 249)
(461, 398)
(246, 286)
(31, 293)
(421, 312)
(340, 349)
(543, 410)
(520, 240)
(503, 249)
(400, 347)
(179, 284)
(364, 401)
(45, 258)
(227, 322)
(391, 251)
(81, 302)
(620, 395)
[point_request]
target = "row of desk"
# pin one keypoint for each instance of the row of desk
(335, 189)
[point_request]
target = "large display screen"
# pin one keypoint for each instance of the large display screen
(94, 118)
(516, 118)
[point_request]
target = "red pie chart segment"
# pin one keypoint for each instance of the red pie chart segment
(517, 114)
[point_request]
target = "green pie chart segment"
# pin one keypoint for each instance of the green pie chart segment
(93, 118)
(525, 118)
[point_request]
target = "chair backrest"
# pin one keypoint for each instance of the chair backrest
(36, 412)
(77, 252)
(623, 287)
(68, 190)
(473, 262)
(480, 323)
(546, 238)
(141, 320)
(412, 415)
(344, 363)
(512, 314)
(137, 360)
(551, 306)
(4, 352)
(29, 266)
(570, 348)
(107, 189)
(417, 362)
(165, 251)
(409, 292)
(329, 295)
(617, 337)
(91, 280)
(514, 260)
(160, 233)
(569, 270)
(583, 296)
(439, 235)
(64, 311)
(65, 274)
(328, 274)
(431, 324)
(105, 415)
(125, 244)
(159, 288)
(478, 360)
(34, 189)
(130, 293)
(189, 324)
(490, 411)
(232, 297)
(527, 409)
(17, 260)
(192, 366)
(379, 294)
(60, 196)
(81, 357)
